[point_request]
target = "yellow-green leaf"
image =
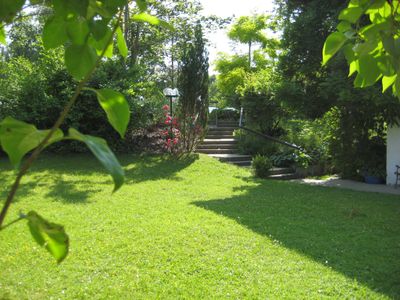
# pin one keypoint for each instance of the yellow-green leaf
(17, 138)
(49, 235)
(100, 149)
(121, 43)
(2, 34)
(116, 108)
(332, 45)
(146, 18)
(351, 14)
(387, 82)
(352, 67)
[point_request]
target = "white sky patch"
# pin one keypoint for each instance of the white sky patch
(228, 8)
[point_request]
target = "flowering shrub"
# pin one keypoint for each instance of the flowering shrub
(191, 131)
(171, 133)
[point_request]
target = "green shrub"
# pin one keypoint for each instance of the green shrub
(284, 159)
(251, 144)
(261, 166)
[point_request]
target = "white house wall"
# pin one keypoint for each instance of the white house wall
(393, 153)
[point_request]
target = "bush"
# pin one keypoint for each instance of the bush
(251, 144)
(284, 159)
(261, 166)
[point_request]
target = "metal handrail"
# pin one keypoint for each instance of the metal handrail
(268, 137)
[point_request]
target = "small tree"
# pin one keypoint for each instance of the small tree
(193, 85)
(249, 30)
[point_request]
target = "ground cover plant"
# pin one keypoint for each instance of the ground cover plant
(196, 228)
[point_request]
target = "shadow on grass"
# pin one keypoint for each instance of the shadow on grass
(50, 170)
(66, 191)
(357, 234)
(151, 168)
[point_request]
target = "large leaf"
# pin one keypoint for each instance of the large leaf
(369, 71)
(116, 108)
(353, 67)
(332, 45)
(2, 34)
(105, 42)
(146, 18)
(54, 33)
(80, 60)
(351, 14)
(78, 30)
(103, 153)
(387, 81)
(49, 235)
(68, 7)
(121, 43)
(344, 26)
(99, 28)
(18, 138)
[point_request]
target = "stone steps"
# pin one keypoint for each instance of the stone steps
(217, 146)
(211, 129)
(282, 174)
(219, 136)
(220, 132)
(231, 157)
(289, 176)
(217, 151)
(221, 144)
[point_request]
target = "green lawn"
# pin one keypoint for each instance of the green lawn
(198, 229)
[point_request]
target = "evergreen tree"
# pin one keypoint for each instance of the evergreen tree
(193, 85)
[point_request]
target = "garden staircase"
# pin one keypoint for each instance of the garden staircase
(221, 144)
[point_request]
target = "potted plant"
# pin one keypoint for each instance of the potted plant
(374, 174)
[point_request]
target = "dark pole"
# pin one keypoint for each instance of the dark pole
(170, 110)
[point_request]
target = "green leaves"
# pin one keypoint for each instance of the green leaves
(387, 81)
(373, 50)
(18, 138)
(78, 30)
(332, 45)
(49, 235)
(146, 18)
(351, 14)
(2, 34)
(54, 33)
(368, 71)
(116, 108)
(121, 43)
(80, 60)
(103, 153)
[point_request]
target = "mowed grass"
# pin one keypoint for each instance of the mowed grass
(197, 229)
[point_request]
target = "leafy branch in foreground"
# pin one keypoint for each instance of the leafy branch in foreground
(87, 29)
(369, 36)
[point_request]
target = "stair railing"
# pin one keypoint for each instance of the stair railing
(268, 137)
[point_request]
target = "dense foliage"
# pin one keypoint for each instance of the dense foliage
(354, 120)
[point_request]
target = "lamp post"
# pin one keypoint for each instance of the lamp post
(171, 94)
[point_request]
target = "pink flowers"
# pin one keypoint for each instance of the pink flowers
(172, 132)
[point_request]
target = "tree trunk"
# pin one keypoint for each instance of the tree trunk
(250, 54)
